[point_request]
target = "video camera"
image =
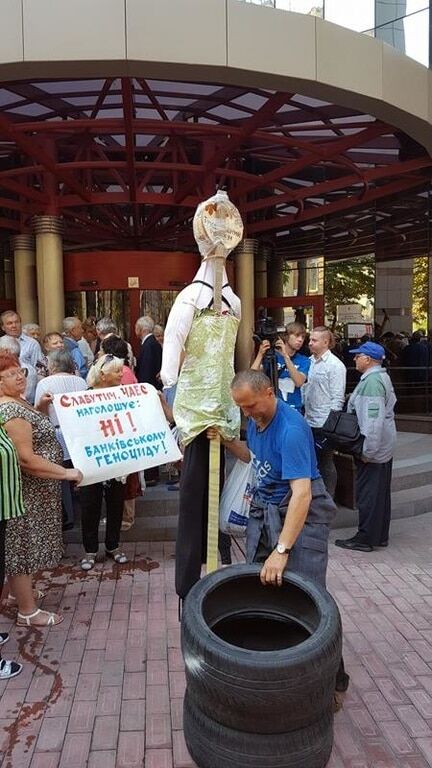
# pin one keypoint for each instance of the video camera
(267, 330)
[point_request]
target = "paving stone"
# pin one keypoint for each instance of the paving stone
(133, 715)
(105, 732)
(130, 753)
(134, 685)
(109, 700)
(45, 760)
(102, 759)
(158, 731)
(88, 687)
(158, 758)
(158, 702)
(51, 734)
(82, 717)
(75, 750)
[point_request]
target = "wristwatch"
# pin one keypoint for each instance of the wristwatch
(282, 549)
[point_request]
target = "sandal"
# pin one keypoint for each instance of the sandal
(88, 561)
(25, 619)
(116, 555)
(37, 595)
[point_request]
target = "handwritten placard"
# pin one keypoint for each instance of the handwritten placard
(115, 431)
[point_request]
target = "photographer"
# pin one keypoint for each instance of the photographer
(292, 367)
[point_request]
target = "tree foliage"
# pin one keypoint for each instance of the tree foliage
(348, 282)
(420, 292)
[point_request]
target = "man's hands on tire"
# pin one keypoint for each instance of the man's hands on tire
(273, 568)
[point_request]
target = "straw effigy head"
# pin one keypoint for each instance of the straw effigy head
(217, 225)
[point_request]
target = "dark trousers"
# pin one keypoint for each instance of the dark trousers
(191, 544)
(67, 498)
(91, 497)
(326, 465)
(373, 489)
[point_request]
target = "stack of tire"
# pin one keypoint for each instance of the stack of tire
(261, 665)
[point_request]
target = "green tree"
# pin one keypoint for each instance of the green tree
(346, 282)
(420, 292)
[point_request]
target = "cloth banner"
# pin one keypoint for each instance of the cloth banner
(115, 431)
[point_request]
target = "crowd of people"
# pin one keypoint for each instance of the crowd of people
(311, 381)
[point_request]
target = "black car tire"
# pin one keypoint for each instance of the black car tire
(212, 745)
(255, 691)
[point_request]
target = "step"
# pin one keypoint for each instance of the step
(408, 502)
(411, 473)
(150, 526)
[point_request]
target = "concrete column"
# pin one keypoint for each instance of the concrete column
(393, 292)
(49, 269)
(244, 261)
(23, 247)
(275, 273)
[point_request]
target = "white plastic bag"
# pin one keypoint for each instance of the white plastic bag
(236, 499)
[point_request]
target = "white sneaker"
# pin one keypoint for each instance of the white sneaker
(9, 669)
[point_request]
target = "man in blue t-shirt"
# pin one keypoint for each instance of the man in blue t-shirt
(292, 367)
(291, 510)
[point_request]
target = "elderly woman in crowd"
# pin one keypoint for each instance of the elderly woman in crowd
(61, 378)
(33, 330)
(107, 371)
(52, 341)
(33, 541)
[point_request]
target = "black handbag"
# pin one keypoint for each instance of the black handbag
(342, 432)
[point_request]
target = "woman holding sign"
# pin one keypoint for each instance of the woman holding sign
(33, 541)
(107, 371)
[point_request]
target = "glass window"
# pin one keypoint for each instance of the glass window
(405, 25)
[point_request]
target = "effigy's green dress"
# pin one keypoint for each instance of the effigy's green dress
(203, 396)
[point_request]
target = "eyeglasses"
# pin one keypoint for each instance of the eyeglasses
(15, 373)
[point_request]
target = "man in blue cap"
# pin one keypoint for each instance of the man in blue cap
(373, 401)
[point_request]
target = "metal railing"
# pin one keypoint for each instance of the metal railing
(412, 385)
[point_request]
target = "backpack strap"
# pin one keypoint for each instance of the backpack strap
(208, 285)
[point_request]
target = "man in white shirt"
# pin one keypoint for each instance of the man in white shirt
(12, 345)
(324, 392)
(31, 353)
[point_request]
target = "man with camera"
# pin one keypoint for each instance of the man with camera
(292, 367)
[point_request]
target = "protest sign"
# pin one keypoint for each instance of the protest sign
(115, 431)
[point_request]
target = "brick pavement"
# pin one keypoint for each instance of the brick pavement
(104, 688)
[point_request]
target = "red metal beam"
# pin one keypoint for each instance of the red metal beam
(129, 114)
(320, 152)
(34, 150)
(371, 174)
(153, 100)
(23, 190)
(10, 224)
(319, 212)
(234, 142)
